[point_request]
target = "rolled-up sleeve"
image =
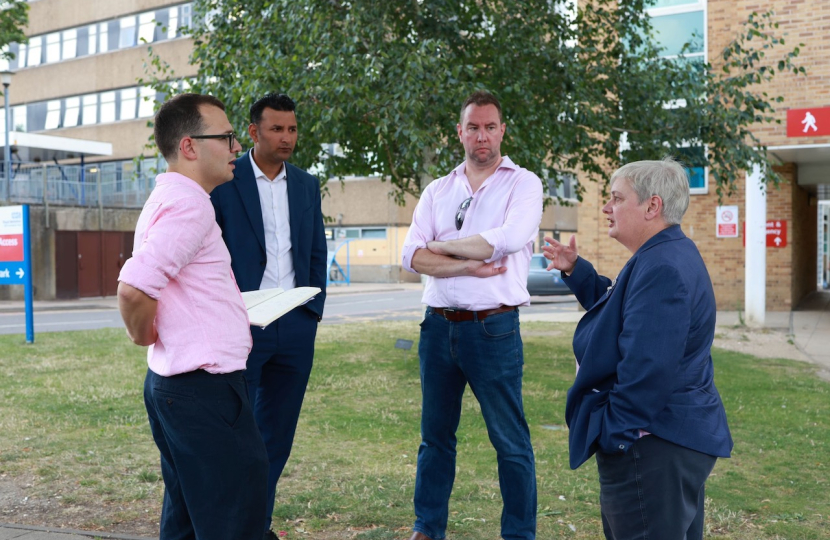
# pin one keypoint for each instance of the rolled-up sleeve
(521, 224)
(172, 236)
(421, 231)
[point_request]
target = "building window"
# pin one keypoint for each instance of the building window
(53, 47)
(563, 187)
(373, 234)
(173, 22)
(673, 3)
(127, 34)
(689, 157)
(107, 107)
(92, 41)
(73, 112)
(146, 27)
(147, 103)
(90, 109)
(675, 23)
(70, 44)
(35, 45)
(19, 122)
(53, 114)
(128, 103)
(22, 51)
(186, 15)
(103, 38)
(354, 233)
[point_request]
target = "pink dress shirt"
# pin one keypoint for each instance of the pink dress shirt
(180, 259)
(506, 211)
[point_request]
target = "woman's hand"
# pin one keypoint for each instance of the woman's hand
(562, 257)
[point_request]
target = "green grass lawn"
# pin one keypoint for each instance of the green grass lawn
(74, 429)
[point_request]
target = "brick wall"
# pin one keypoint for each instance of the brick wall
(790, 270)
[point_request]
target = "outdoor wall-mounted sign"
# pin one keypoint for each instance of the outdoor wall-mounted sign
(776, 233)
(726, 222)
(808, 122)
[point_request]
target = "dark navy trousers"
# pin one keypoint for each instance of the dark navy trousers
(655, 491)
(277, 372)
(213, 460)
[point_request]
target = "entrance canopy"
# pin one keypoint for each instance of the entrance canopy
(813, 162)
(48, 148)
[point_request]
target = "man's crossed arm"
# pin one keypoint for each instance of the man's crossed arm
(452, 258)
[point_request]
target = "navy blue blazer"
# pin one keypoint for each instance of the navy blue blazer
(239, 215)
(644, 353)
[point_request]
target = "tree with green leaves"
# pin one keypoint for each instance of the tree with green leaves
(385, 80)
(14, 16)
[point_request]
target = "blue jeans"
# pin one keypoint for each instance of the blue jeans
(487, 354)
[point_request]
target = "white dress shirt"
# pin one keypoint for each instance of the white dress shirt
(273, 199)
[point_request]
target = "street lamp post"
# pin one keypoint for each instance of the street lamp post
(6, 79)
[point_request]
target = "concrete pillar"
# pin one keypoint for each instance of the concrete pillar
(755, 266)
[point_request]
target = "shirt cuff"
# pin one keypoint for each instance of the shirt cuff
(409, 252)
(143, 277)
(495, 237)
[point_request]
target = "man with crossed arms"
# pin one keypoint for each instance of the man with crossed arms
(472, 233)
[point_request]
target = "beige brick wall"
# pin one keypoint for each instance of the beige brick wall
(790, 270)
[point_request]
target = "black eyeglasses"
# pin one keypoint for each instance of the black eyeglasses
(230, 136)
(461, 212)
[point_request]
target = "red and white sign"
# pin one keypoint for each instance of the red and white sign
(776, 234)
(808, 122)
(11, 233)
(727, 222)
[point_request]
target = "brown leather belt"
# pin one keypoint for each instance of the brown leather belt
(459, 315)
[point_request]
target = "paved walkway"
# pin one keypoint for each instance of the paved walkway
(809, 325)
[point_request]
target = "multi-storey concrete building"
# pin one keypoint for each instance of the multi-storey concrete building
(77, 78)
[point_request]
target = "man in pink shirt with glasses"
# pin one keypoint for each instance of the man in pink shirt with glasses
(472, 233)
(178, 296)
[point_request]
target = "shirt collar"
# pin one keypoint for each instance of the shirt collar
(182, 180)
(259, 175)
(506, 163)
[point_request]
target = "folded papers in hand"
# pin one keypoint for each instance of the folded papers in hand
(267, 305)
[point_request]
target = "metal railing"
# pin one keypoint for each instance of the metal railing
(74, 185)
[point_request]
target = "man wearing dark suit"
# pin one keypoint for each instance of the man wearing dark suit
(644, 398)
(272, 223)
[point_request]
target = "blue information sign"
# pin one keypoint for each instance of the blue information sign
(12, 273)
(16, 256)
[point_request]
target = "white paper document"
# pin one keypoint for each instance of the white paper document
(267, 305)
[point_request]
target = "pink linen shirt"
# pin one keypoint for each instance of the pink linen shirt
(506, 211)
(180, 260)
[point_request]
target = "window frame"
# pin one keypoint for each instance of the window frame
(691, 7)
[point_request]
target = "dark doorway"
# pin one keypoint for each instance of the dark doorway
(87, 263)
